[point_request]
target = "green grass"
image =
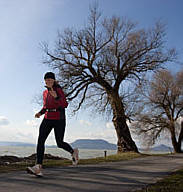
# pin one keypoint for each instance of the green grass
(56, 163)
(171, 183)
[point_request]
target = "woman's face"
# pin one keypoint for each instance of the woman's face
(49, 82)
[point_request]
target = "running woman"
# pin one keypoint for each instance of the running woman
(54, 104)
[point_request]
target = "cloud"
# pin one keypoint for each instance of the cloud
(27, 137)
(106, 134)
(110, 125)
(32, 123)
(85, 123)
(4, 121)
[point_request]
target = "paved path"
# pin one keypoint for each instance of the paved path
(121, 176)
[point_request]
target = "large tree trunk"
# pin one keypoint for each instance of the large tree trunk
(180, 139)
(176, 145)
(125, 142)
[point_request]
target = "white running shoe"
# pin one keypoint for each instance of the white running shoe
(35, 170)
(75, 157)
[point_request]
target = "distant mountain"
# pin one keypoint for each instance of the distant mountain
(162, 148)
(93, 144)
(22, 144)
(81, 143)
(88, 144)
(8, 143)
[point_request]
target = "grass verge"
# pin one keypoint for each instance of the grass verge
(56, 163)
(171, 183)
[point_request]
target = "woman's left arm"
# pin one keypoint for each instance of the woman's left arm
(61, 99)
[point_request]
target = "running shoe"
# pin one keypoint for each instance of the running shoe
(75, 157)
(35, 170)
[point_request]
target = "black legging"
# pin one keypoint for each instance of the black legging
(44, 130)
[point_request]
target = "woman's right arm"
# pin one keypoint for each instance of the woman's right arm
(43, 110)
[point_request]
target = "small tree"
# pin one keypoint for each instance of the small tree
(163, 105)
(97, 62)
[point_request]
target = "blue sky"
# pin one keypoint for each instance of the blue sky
(25, 24)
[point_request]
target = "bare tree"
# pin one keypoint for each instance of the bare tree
(163, 105)
(96, 63)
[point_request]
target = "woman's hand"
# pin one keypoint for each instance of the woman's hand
(53, 93)
(37, 115)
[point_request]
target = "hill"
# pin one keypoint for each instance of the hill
(8, 143)
(21, 144)
(93, 144)
(88, 144)
(80, 143)
(162, 148)
(159, 148)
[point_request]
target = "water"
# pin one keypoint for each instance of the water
(27, 151)
(83, 153)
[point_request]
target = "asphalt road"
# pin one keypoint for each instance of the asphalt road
(124, 176)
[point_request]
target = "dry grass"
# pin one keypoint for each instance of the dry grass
(171, 183)
(55, 163)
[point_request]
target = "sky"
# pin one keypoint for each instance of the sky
(24, 25)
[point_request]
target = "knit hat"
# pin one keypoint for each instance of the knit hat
(49, 75)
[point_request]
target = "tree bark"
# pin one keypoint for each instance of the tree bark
(181, 136)
(125, 142)
(176, 145)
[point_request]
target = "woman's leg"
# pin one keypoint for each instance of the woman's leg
(44, 130)
(59, 129)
